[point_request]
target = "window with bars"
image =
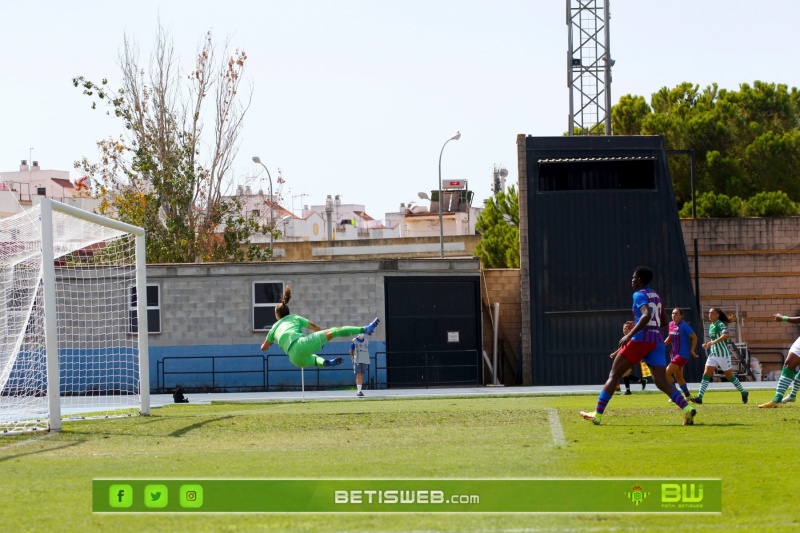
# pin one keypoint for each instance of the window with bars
(153, 310)
(266, 297)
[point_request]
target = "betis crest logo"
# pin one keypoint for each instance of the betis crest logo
(637, 495)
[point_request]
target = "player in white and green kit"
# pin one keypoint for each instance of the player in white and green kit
(288, 333)
(795, 387)
(718, 355)
(789, 373)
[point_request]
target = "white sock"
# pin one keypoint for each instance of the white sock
(359, 387)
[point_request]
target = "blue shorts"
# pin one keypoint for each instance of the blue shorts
(360, 368)
(652, 353)
(657, 357)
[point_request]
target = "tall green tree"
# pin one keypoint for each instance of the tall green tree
(169, 169)
(745, 142)
(628, 114)
(498, 225)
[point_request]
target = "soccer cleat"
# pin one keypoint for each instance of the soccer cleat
(698, 400)
(745, 395)
(370, 328)
(770, 405)
(360, 394)
(688, 416)
(333, 362)
(789, 399)
(594, 417)
(627, 392)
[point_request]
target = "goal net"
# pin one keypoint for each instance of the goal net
(73, 334)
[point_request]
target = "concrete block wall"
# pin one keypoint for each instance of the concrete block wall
(391, 248)
(212, 304)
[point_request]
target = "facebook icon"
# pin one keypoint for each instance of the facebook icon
(120, 496)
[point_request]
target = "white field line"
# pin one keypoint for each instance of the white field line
(555, 428)
(28, 441)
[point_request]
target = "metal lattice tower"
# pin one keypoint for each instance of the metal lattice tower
(589, 67)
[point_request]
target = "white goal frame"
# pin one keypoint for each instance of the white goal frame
(50, 300)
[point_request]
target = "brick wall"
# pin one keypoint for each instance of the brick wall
(502, 286)
(753, 265)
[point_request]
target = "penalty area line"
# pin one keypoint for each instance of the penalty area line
(555, 428)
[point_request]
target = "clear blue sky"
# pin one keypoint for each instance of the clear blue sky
(357, 97)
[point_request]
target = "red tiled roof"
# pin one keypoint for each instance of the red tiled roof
(363, 215)
(368, 218)
(63, 183)
(279, 210)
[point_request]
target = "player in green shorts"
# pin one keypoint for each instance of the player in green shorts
(288, 333)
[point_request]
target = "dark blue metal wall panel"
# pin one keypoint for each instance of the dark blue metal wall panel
(433, 331)
(586, 242)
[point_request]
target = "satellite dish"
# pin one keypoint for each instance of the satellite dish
(503, 172)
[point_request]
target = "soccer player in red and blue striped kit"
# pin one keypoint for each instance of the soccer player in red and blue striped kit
(643, 343)
(683, 341)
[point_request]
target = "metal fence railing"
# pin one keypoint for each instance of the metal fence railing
(244, 373)
(274, 372)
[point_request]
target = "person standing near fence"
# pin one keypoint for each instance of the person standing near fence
(359, 351)
(646, 374)
(718, 355)
(790, 366)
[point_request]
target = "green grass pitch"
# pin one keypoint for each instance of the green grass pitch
(46, 478)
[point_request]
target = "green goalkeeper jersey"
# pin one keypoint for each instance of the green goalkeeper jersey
(286, 330)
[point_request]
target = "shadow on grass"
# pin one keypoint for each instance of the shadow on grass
(100, 431)
(47, 450)
(667, 425)
(183, 431)
(724, 424)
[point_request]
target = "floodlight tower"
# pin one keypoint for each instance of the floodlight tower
(589, 67)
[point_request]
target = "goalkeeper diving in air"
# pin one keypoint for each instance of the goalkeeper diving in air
(288, 333)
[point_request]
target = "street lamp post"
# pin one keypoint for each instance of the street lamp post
(455, 137)
(257, 160)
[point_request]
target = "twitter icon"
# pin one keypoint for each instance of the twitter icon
(156, 496)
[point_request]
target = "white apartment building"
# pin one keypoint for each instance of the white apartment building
(23, 189)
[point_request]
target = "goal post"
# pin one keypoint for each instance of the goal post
(73, 318)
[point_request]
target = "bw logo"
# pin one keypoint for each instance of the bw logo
(637, 495)
(681, 493)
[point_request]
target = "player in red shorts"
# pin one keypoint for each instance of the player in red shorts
(643, 343)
